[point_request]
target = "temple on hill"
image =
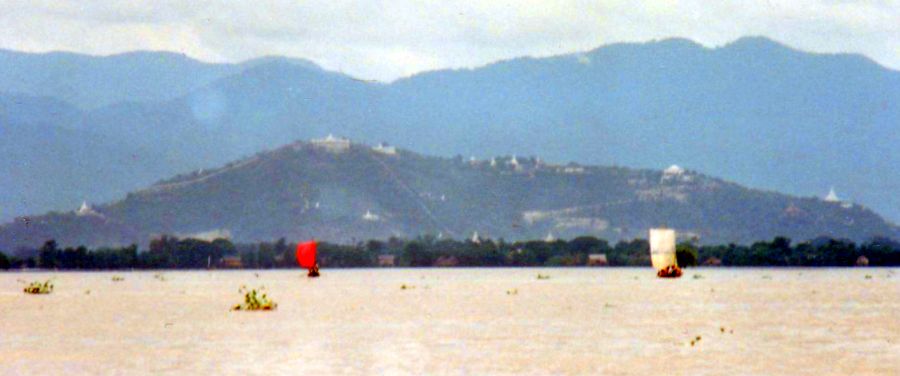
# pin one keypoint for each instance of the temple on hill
(332, 144)
(385, 149)
(85, 209)
(832, 196)
(369, 216)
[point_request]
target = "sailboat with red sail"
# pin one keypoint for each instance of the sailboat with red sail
(306, 257)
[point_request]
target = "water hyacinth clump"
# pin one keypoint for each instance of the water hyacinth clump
(39, 288)
(116, 278)
(254, 300)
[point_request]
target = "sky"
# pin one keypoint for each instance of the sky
(388, 39)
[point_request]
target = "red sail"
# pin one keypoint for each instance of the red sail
(306, 254)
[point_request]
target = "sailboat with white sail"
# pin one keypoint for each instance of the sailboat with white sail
(662, 253)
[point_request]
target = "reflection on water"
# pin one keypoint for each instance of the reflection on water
(457, 321)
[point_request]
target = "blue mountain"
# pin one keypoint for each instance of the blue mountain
(754, 111)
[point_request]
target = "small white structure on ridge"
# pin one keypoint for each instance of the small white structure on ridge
(332, 144)
(573, 170)
(370, 217)
(832, 196)
(550, 238)
(673, 170)
(385, 149)
(85, 209)
(475, 237)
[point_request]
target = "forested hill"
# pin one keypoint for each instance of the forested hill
(347, 192)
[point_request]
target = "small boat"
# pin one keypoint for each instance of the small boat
(306, 257)
(662, 253)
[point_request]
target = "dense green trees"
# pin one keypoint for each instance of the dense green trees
(169, 252)
(686, 254)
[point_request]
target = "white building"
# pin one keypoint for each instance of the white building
(332, 144)
(385, 149)
(673, 170)
(832, 196)
(573, 170)
(370, 217)
(550, 238)
(85, 209)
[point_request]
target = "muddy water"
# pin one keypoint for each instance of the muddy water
(457, 321)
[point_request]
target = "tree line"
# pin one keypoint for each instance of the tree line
(168, 252)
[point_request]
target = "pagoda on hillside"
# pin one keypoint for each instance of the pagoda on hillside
(832, 196)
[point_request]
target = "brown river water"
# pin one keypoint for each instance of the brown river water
(609, 321)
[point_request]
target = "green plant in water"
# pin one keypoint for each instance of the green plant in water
(116, 278)
(39, 288)
(254, 300)
(541, 276)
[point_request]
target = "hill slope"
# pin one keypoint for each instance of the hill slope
(305, 190)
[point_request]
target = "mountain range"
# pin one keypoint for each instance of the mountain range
(75, 127)
(339, 191)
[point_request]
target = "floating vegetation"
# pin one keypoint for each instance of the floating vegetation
(512, 292)
(868, 276)
(254, 300)
(542, 276)
(607, 305)
(87, 292)
(407, 287)
(698, 276)
(117, 278)
(766, 277)
(37, 287)
(159, 277)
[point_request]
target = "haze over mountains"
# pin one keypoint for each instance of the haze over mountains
(76, 128)
(337, 191)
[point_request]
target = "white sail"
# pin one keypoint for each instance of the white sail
(662, 248)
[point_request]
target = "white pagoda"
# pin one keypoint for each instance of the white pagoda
(85, 210)
(550, 238)
(832, 196)
(332, 144)
(370, 217)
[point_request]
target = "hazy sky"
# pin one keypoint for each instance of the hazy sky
(386, 39)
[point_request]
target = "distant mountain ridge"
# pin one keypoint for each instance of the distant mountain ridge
(337, 191)
(753, 111)
(91, 82)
